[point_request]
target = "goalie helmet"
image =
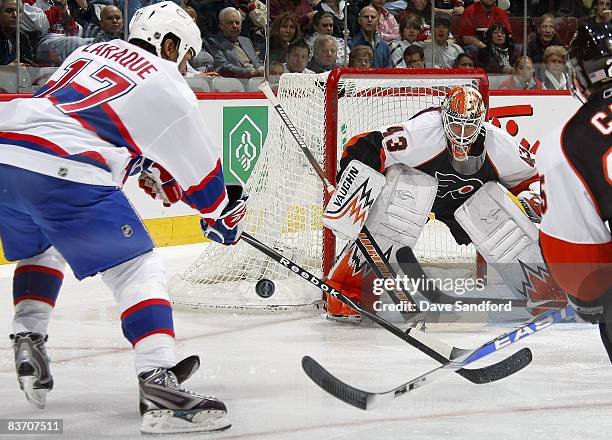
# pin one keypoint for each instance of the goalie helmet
(152, 23)
(463, 112)
(590, 59)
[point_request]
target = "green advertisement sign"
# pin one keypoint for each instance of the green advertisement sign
(244, 133)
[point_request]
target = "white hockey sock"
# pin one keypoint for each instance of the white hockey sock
(32, 316)
(155, 351)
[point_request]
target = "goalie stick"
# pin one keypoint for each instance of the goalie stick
(367, 400)
(432, 347)
(365, 241)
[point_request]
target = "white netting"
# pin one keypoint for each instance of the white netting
(286, 196)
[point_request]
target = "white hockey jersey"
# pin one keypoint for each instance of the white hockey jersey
(420, 142)
(108, 105)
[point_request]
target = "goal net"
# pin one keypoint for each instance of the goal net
(287, 197)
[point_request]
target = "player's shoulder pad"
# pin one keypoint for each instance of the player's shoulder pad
(500, 144)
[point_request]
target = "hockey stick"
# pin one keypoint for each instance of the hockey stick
(432, 347)
(411, 267)
(365, 241)
(366, 400)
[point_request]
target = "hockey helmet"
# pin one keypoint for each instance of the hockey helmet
(152, 23)
(463, 112)
(590, 58)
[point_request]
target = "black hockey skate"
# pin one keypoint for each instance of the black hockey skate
(32, 365)
(167, 408)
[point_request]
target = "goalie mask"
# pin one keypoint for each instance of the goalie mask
(590, 59)
(463, 112)
(152, 23)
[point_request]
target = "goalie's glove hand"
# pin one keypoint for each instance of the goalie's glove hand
(532, 204)
(159, 184)
(227, 228)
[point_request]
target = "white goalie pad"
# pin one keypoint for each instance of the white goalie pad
(356, 192)
(508, 241)
(399, 214)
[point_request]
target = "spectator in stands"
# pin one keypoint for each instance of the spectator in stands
(414, 57)
(450, 8)
(546, 35)
(202, 63)
(477, 18)
(323, 24)
(284, 30)
(410, 27)
(254, 20)
(276, 68)
(62, 38)
(361, 56)
(464, 61)
(297, 58)
(421, 9)
(523, 77)
(440, 53)
(234, 55)
(324, 57)
(8, 38)
(33, 21)
(499, 54)
(336, 9)
(553, 75)
(387, 28)
(368, 21)
(603, 12)
(111, 25)
(301, 8)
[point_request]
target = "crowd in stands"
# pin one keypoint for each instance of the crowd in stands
(309, 36)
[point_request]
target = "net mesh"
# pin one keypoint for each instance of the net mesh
(286, 196)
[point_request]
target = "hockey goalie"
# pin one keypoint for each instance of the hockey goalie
(472, 175)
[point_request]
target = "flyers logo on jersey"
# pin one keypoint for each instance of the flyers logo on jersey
(456, 187)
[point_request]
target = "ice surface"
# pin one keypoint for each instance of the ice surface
(252, 362)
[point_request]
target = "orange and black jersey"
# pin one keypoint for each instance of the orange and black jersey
(576, 175)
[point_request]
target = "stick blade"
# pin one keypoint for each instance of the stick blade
(332, 385)
(500, 370)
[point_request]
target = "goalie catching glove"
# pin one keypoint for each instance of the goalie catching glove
(356, 192)
(227, 229)
(159, 183)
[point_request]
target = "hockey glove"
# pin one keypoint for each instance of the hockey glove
(226, 229)
(159, 184)
(531, 202)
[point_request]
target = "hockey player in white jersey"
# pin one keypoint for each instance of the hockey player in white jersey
(112, 110)
(576, 175)
(450, 162)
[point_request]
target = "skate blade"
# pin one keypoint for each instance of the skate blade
(36, 396)
(163, 421)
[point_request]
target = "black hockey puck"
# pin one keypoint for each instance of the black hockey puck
(265, 288)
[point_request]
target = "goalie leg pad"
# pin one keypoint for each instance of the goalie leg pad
(399, 214)
(506, 238)
(395, 221)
